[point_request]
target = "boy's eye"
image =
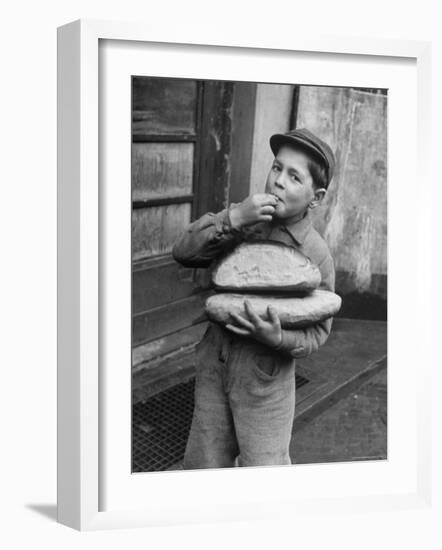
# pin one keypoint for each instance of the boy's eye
(276, 168)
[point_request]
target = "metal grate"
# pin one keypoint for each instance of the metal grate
(161, 425)
(160, 428)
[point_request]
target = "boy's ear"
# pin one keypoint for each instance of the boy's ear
(319, 195)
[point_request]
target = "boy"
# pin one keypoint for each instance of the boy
(245, 372)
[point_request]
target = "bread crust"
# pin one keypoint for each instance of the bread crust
(263, 266)
(293, 311)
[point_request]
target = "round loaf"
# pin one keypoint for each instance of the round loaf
(264, 266)
(293, 312)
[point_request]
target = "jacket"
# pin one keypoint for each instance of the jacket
(213, 235)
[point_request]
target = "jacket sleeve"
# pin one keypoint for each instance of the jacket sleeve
(303, 342)
(205, 239)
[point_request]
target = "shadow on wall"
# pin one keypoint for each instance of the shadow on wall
(366, 306)
(357, 303)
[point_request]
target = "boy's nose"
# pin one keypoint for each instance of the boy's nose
(279, 183)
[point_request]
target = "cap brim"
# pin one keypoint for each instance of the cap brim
(278, 140)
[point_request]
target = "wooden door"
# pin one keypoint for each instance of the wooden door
(180, 146)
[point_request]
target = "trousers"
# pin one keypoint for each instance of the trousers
(244, 403)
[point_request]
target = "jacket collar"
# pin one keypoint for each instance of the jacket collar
(298, 230)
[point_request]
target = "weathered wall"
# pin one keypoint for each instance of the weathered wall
(353, 216)
(272, 115)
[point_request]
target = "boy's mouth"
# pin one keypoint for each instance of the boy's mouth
(276, 196)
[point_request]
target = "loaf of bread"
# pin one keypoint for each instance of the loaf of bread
(264, 266)
(293, 312)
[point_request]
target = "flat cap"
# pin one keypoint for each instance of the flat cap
(301, 137)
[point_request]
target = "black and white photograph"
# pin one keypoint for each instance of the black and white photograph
(259, 274)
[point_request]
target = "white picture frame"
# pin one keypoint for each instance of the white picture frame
(81, 295)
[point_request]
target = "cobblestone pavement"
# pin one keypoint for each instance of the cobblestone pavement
(355, 428)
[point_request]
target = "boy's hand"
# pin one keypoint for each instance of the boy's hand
(253, 209)
(269, 331)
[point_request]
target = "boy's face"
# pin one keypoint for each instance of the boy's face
(290, 180)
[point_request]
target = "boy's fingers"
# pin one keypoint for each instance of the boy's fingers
(252, 313)
(237, 330)
(239, 319)
(273, 315)
(270, 198)
(266, 199)
(269, 209)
